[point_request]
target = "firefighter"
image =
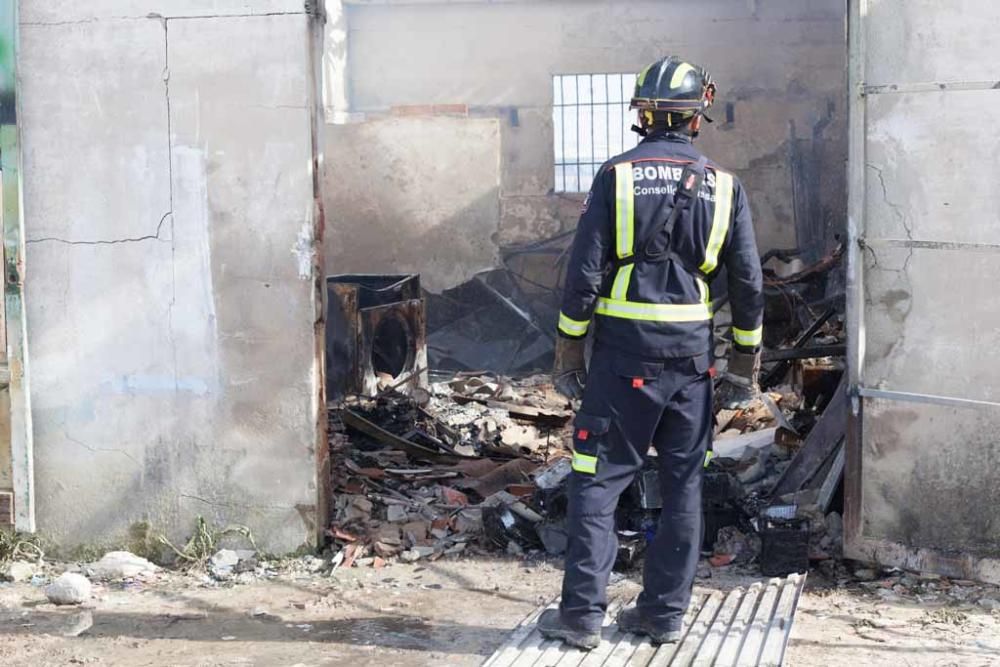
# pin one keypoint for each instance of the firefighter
(660, 222)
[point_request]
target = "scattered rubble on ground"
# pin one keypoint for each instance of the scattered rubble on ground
(478, 462)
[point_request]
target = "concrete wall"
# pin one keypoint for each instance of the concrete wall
(781, 63)
(168, 204)
(395, 210)
(926, 201)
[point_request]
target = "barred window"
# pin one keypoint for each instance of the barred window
(591, 122)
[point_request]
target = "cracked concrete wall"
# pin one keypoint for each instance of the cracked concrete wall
(781, 64)
(168, 207)
(930, 240)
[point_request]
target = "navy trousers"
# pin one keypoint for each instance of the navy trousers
(629, 404)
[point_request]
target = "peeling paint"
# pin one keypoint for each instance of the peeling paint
(304, 251)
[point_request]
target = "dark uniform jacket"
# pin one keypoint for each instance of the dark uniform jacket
(661, 309)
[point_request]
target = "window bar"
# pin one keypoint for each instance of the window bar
(577, 109)
(624, 111)
(562, 133)
(607, 114)
(593, 149)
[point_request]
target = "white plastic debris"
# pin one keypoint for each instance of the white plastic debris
(69, 588)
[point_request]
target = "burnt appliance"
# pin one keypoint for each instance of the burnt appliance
(375, 329)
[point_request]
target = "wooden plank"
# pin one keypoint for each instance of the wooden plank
(730, 649)
(781, 625)
(358, 423)
(717, 632)
(507, 652)
(754, 641)
(664, 654)
(819, 445)
(832, 481)
(689, 646)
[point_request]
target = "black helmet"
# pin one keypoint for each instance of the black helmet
(674, 86)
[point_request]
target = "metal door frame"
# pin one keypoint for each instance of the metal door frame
(21, 443)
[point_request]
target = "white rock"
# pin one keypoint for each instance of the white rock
(225, 558)
(410, 556)
(69, 588)
(222, 563)
(314, 564)
(121, 565)
(20, 571)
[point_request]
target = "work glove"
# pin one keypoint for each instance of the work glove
(739, 388)
(569, 374)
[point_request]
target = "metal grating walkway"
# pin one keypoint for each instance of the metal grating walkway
(744, 627)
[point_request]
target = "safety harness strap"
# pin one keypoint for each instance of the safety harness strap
(655, 247)
(658, 246)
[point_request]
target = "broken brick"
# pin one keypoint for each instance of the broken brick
(454, 497)
(721, 560)
(351, 553)
(338, 533)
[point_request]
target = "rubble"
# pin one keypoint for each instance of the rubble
(222, 563)
(68, 589)
(20, 571)
(477, 460)
(121, 565)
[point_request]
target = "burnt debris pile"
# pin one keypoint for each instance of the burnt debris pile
(428, 465)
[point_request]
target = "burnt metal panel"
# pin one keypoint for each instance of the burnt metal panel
(374, 323)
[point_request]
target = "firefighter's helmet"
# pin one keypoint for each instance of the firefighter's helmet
(673, 89)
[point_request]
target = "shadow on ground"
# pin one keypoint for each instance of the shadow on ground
(386, 631)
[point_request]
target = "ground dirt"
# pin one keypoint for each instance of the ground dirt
(447, 612)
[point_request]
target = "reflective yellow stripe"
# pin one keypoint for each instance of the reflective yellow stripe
(572, 327)
(678, 78)
(642, 76)
(624, 210)
(720, 221)
(703, 291)
(746, 338)
(708, 457)
(619, 290)
(655, 312)
(584, 463)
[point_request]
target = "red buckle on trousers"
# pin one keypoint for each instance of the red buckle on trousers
(637, 383)
(583, 434)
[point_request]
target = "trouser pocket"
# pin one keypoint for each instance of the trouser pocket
(589, 435)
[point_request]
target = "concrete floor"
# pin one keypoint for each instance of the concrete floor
(454, 612)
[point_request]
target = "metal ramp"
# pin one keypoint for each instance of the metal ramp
(742, 628)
